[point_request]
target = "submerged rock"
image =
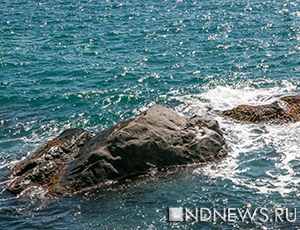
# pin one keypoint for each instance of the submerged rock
(285, 109)
(155, 139)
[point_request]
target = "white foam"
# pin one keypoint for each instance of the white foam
(275, 146)
(227, 97)
(33, 193)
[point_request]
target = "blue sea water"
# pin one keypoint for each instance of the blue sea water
(90, 64)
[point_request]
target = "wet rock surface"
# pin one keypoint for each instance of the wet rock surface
(78, 159)
(46, 166)
(285, 109)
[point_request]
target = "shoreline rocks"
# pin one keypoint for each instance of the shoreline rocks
(158, 138)
(285, 109)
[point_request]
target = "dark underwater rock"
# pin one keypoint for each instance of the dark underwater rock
(285, 109)
(155, 139)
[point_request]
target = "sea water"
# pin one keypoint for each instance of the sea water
(90, 64)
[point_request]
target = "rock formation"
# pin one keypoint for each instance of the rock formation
(78, 159)
(47, 166)
(285, 109)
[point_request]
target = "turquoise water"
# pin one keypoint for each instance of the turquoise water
(91, 64)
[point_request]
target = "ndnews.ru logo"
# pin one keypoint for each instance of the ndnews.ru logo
(232, 215)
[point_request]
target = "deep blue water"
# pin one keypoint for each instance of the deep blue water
(91, 64)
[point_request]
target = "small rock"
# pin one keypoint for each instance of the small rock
(285, 109)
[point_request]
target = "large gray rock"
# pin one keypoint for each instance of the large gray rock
(157, 138)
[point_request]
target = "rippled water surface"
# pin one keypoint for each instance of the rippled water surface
(91, 64)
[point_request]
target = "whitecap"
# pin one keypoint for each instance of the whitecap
(261, 157)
